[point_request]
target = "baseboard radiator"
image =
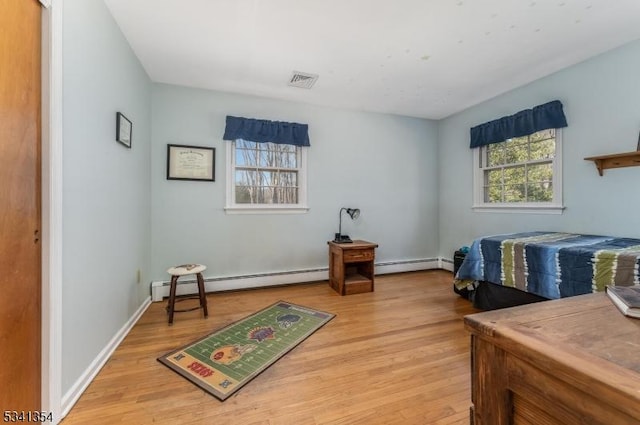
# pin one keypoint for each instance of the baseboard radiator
(160, 289)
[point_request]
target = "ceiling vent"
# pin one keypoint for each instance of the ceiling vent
(302, 80)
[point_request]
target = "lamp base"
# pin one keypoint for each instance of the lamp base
(342, 238)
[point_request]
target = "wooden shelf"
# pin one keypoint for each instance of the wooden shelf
(618, 160)
(356, 284)
(356, 278)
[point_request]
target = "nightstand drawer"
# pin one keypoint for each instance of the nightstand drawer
(355, 255)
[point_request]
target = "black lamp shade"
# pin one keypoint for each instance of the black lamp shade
(353, 213)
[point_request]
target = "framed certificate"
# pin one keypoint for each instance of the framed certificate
(123, 130)
(191, 163)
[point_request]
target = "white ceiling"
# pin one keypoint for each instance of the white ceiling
(421, 58)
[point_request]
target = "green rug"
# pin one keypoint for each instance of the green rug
(223, 362)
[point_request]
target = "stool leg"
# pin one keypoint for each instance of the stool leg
(172, 297)
(203, 295)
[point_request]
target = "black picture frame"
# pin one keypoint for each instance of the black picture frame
(192, 163)
(124, 128)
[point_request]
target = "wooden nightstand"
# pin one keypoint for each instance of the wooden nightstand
(351, 266)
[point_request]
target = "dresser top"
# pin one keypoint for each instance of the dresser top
(585, 335)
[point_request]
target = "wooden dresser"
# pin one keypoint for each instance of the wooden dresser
(565, 362)
(351, 266)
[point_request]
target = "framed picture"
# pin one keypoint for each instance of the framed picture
(638, 142)
(123, 130)
(191, 163)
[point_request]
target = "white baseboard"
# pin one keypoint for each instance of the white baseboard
(160, 289)
(407, 266)
(72, 396)
(446, 264)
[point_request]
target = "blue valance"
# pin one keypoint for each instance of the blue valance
(264, 131)
(542, 117)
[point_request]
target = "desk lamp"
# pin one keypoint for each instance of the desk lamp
(353, 213)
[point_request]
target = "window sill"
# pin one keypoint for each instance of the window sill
(519, 209)
(262, 209)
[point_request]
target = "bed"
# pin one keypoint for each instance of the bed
(526, 267)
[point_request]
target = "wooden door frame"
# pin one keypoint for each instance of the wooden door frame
(52, 136)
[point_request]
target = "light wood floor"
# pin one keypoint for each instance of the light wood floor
(399, 355)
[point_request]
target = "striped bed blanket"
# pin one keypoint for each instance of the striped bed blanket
(550, 264)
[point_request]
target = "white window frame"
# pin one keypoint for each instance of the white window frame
(554, 207)
(231, 207)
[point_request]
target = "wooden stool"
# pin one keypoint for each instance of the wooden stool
(183, 270)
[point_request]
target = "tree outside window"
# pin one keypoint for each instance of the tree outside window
(519, 172)
(266, 175)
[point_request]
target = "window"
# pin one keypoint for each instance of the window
(266, 177)
(520, 174)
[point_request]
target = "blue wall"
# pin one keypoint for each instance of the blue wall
(383, 164)
(601, 100)
(107, 187)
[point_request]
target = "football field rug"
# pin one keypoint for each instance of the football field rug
(223, 362)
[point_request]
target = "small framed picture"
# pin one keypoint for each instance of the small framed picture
(123, 130)
(191, 163)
